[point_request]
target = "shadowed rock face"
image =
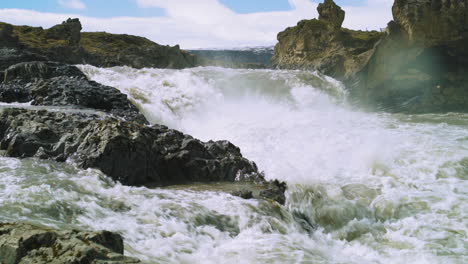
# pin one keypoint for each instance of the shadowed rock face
(25, 243)
(418, 65)
(432, 21)
(68, 30)
(421, 64)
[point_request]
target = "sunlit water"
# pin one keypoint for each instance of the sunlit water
(363, 187)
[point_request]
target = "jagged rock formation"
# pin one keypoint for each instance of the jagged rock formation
(418, 65)
(65, 43)
(331, 13)
(28, 244)
(421, 63)
(323, 45)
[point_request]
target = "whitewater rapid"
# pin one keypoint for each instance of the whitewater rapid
(363, 187)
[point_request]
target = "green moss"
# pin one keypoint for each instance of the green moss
(36, 38)
(313, 24)
(111, 44)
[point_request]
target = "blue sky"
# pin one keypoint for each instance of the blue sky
(102, 8)
(192, 23)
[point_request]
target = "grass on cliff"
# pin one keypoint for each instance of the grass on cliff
(111, 44)
(35, 37)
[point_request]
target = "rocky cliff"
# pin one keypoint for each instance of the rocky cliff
(321, 44)
(421, 64)
(66, 43)
(418, 64)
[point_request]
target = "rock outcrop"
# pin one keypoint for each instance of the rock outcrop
(331, 13)
(98, 127)
(26, 243)
(323, 45)
(56, 84)
(421, 64)
(126, 151)
(418, 65)
(108, 50)
(65, 43)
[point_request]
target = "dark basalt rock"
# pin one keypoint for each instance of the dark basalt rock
(26, 243)
(12, 56)
(28, 71)
(55, 84)
(127, 152)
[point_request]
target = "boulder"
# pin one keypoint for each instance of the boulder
(26, 243)
(56, 84)
(126, 151)
(28, 71)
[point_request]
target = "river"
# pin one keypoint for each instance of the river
(362, 187)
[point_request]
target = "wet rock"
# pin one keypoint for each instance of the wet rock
(26, 243)
(126, 151)
(12, 56)
(244, 194)
(274, 191)
(28, 71)
(56, 84)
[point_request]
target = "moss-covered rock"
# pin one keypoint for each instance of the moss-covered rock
(65, 43)
(107, 50)
(26, 243)
(320, 45)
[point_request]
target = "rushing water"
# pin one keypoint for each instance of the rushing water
(363, 187)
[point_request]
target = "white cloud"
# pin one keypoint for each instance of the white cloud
(208, 23)
(72, 4)
(374, 15)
